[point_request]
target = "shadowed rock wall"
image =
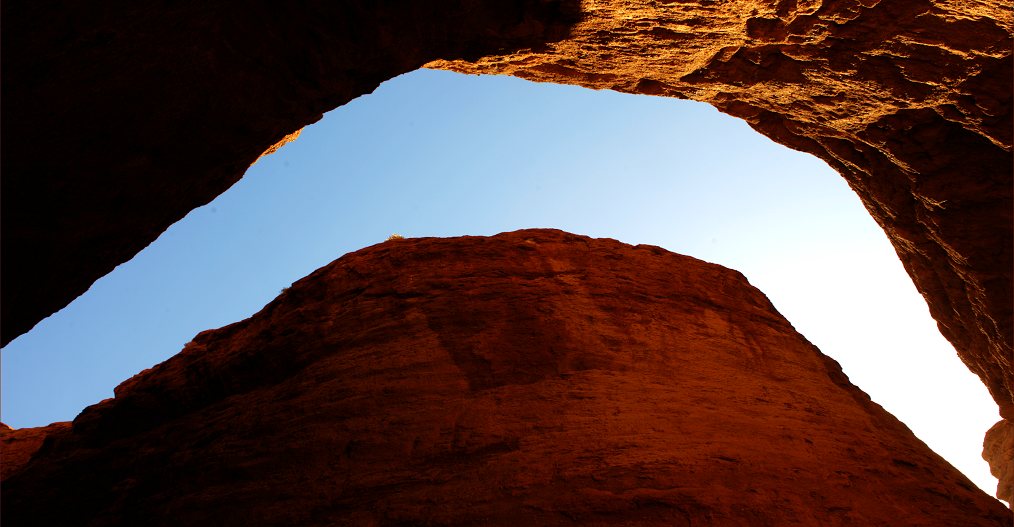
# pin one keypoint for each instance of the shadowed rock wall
(531, 378)
(122, 116)
(18, 446)
(119, 117)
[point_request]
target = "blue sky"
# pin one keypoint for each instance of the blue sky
(440, 154)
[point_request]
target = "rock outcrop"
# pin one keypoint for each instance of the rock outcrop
(121, 117)
(531, 378)
(17, 446)
(998, 450)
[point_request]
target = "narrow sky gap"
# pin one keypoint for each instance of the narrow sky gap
(439, 154)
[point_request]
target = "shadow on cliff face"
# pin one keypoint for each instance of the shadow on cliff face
(156, 109)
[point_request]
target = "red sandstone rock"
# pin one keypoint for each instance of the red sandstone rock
(909, 100)
(157, 108)
(18, 446)
(531, 378)
(998, 450)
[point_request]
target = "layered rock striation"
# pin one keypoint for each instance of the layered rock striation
(530, 378)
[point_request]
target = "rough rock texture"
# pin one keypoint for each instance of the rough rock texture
(531, 378)
(998, 450)
(18, 446)
(119, 117)
(909, 100)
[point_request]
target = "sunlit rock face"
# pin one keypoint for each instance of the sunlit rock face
(909, 100)
(531, 378)
(120, 117)
(998, 450)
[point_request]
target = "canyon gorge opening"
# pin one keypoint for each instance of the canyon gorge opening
(637, 169)
(910, 102)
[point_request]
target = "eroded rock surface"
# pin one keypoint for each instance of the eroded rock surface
(531, 378)
(17, 446)
(998, 450)
(120, 117)
(909, 100)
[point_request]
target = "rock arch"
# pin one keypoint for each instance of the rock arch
(120, 118)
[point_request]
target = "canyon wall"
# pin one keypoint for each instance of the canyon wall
(910, 101)
(530, 378)
(17, 446)
(122, 116)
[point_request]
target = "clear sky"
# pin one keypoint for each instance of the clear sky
(440, 154)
